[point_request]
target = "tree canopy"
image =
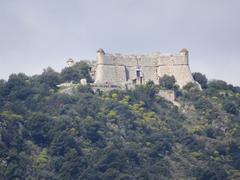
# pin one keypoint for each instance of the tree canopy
(133, 134)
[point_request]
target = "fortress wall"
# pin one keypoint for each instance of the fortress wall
(110, 59)
(100, 58)
(130, 60)
(172, 60)
(127, 61)
(181, 73)
(119, 69)
(180, 59)
(147, 61)
(99, 77)
(110, 74)
(150, 73)
(131, 72)
(107, 60)
(144, 60)
(164, 61)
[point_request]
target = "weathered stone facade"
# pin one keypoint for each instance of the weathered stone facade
(122, 70)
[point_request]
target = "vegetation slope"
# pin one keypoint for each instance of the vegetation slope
(134, 134)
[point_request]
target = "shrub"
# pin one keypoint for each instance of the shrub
(230, 108)
(201, 79)
(167, 82)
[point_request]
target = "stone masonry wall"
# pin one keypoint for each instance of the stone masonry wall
(121, 69)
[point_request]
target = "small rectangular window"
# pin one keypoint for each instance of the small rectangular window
(138, 73)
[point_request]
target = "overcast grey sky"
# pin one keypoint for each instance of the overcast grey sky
(37, 34)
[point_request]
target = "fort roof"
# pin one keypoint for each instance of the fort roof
(184, 50)
(100, 51)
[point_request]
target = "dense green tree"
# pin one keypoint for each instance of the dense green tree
(230, 107)
(218, 85)
(214, 171)
(17, 87)
(145, 93)
(76, 72)
(50, 78)
(85, 89)
(167, 82)
(133, 134)
(202, 104)
(201, 79)
(41, 126)
(2, 83)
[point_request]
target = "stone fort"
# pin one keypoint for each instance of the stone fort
(122, 70)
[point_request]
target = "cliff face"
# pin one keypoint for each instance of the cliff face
(138, 69)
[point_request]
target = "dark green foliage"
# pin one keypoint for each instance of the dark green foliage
(40, 126)
(201, 79)
(132, 134)
(218, 85)
(202, 104)
(17, 87)
(50, 78)
(167, 82)
(234, 151)
(62, 144)
(85, 89)
(191, 87)
(145, 93)
(76, 72)
(214, 171)
(230, 107)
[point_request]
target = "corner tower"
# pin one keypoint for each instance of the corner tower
(184, 52)
(100, 56)
(108, 71)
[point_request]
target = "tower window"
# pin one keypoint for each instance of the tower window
(138, 73)
(141, 80)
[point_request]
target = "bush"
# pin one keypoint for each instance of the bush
(50, 78)
(74, 73)
(202, 104)
(230, 108)
(167, 82)
(201, 79)
(218, 85)
(191, 87)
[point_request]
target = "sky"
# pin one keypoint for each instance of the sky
(37, 34)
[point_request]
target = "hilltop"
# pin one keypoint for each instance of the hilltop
(131, 134)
